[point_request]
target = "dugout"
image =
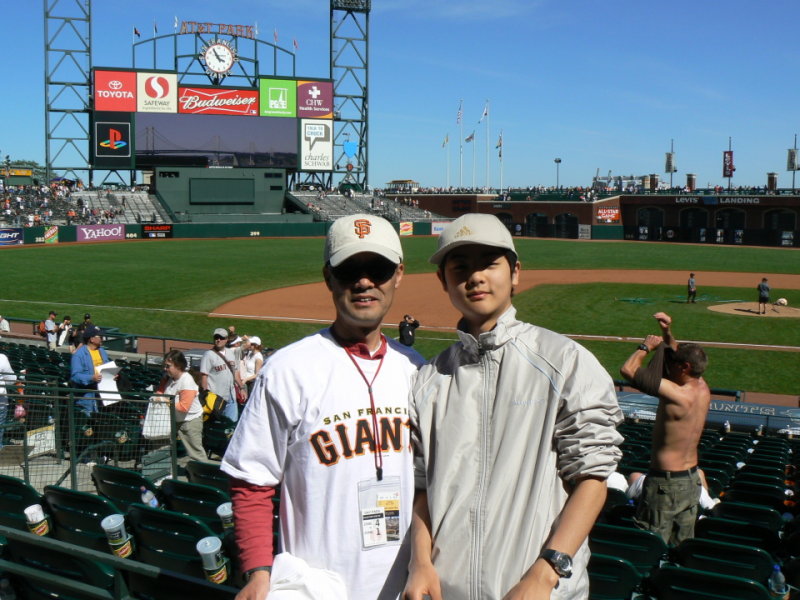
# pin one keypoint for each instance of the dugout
(224, 195)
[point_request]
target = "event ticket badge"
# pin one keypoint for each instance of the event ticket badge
(379, 506)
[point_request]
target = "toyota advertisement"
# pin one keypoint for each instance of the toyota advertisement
(143, 119)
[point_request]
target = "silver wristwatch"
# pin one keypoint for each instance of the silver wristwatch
(560, 561)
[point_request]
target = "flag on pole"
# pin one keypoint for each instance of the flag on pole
(460, 113)
(256, 28)
(136, 32)
(500, 145)
(295, 44)
(446, 140)
(275, 35)
(155, 28)
(175, 23)
(470, 137)
(485, 113)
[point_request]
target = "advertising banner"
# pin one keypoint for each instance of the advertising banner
(111, 140)
(438, 226)
(217, 101)
(278, 97)
(315, 99)
(115, 90)
(157, 231)
(10, 236)
(316, 145)
(727, 163)
(101, 233)
(51, 235)
(608, 214)
(157, 92)
(406, 228)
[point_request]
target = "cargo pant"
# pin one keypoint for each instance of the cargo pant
(669, 505)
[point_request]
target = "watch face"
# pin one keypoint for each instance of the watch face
(218, 58)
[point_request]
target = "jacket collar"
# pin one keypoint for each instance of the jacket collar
(489, 340)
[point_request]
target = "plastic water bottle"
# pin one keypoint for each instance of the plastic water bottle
(148, 497)
(777, 583)
(726, 426)
(6, 591)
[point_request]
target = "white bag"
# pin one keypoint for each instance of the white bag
(156, 421)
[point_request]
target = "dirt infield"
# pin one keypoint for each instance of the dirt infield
(421, 295)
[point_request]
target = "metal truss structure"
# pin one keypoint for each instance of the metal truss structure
(67, 72)
(349, 51)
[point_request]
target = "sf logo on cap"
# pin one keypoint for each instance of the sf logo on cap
(362, 227)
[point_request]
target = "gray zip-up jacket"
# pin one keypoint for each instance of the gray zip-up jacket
(501, 425)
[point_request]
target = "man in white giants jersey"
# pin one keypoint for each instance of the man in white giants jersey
(327, 421)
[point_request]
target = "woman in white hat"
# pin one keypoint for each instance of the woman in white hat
(251, 363)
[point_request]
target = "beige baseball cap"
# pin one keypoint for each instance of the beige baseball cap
(473, 228)
(362, 233)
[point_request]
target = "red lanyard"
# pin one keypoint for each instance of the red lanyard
(376, 436)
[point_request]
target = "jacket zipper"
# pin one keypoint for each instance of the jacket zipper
(477, 546)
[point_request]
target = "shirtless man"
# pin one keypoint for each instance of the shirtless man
(669, 501)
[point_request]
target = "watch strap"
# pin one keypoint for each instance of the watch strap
(560, 561)
(249, 573)
(643, 347)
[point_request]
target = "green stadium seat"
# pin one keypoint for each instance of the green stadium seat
(76, 516)
(611, 578)
(737, 532)
(121, 486)
(195, 499)
(167, 539)
(643, 549)
(671, 582)
(723, 558)
(15, 497)
(208, 474)
(749, 513)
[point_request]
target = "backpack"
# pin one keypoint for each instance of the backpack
(41, 329)
(212, 404)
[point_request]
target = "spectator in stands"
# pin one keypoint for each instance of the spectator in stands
(4, 326)
(514, 432)
(51, 331)
(669, 503)
(636, 484)
(218, 373)
(6, 375)
(65, 331)
(335, 441)
(83, 368)
(181, 388)
(251, 362)
(408, 327)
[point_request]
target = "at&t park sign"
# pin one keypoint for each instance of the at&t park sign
(245, 31)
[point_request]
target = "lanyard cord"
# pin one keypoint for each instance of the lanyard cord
(376, 436)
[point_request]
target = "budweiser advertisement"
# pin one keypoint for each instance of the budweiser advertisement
(218, 101)
(115, 90)
(101, 233)
(157, 92)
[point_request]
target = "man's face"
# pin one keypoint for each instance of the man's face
(220, 342)
(363, 290)
(479, 281)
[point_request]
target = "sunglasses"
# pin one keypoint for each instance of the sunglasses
(377, 271)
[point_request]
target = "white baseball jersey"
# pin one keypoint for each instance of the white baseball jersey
(308, 426)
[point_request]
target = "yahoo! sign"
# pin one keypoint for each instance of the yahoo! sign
(100, 233)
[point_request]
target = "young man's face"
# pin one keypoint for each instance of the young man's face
(479, 281)
(363, 290)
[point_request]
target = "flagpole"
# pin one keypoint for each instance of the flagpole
(460, 143)
(447, 150)
(488, 175)
(474, 167)
(501, 161)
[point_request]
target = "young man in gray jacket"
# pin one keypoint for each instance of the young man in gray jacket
(514, 432)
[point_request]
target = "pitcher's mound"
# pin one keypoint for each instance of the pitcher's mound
(750, 309)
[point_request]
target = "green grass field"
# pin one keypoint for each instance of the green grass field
(124, 285)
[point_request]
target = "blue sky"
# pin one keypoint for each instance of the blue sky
(600, 84)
